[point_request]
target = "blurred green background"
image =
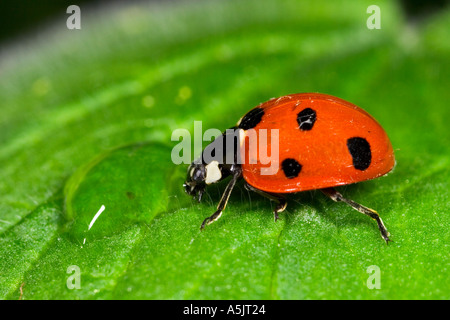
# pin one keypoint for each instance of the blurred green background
(87, 117)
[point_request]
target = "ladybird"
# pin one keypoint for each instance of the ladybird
(323, 142)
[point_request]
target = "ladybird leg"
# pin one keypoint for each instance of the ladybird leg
(224, 200)
(336, 196)
(281, 200)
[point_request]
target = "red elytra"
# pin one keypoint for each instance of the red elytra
(323, 142)
(322, 150)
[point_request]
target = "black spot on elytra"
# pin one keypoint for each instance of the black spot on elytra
(251, 119)
(359, 149)
(291, 168)
(131, 195)
(306, 119)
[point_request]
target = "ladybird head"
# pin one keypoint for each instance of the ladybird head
(195, 180)
(211, 166)
(200, 174)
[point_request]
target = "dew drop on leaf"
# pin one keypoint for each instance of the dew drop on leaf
(119, 188)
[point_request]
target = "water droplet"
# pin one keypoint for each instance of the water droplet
(132, 184)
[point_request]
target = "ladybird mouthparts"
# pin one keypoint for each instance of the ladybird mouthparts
(195, 190)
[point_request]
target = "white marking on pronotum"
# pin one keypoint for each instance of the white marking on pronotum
(213, 173)
(96, 216)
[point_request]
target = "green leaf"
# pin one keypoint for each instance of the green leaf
(87, 119)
